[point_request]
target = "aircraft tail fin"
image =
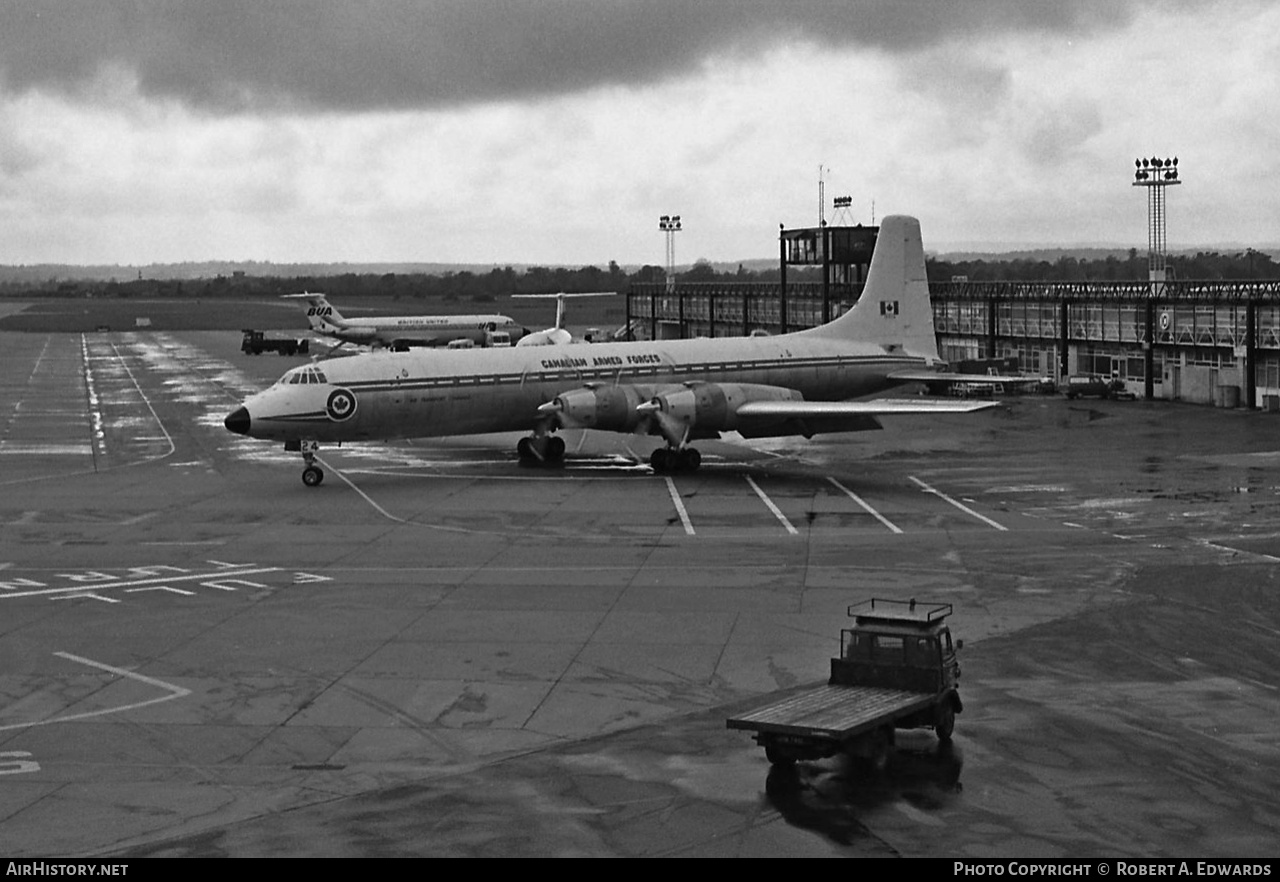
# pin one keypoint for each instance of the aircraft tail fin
(320, 315)
(894, 309)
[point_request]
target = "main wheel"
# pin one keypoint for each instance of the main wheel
(312, 476)
(877, 756)
(660, 460)
(524, 449)
(945, 720)
(688, 459)
(555, 449)
(777, 756)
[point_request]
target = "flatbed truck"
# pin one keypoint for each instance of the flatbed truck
(256, 343)
(897, 669)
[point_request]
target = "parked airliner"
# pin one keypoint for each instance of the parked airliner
(800, 383)
(402, 332)
(557, 335)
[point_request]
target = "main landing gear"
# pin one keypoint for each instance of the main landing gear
(675, 459)
(312, 474)
(536, 449)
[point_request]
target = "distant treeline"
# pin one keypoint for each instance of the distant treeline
(1204, 266)
(486, 287)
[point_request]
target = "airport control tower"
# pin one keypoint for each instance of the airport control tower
(843, 252)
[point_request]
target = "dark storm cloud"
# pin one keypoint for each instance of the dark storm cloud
(349, 55)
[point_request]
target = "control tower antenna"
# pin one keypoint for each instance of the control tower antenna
(822, 199)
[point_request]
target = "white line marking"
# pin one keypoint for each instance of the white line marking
(365, 496)
(132, 583)
(777, 513)
(162, 588)
(1211, 544)
(16, 449)
(233, 584)
(174, 692)
(382, 511)
(960, 505)
(96, 434)
(869, 510)
(147, 402)
(675, 499)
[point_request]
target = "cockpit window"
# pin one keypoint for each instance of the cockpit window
(307, 375)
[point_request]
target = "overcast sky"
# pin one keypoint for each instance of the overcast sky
(557, 131)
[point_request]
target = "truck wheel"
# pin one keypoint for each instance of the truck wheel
(778, 757)
(878, 755)
(945, 720)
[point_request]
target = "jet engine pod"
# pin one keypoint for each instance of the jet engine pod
(612, 408)
(358, 335)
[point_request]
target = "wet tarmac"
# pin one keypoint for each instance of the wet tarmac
(442, 653)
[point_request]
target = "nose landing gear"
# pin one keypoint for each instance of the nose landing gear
(312, 474)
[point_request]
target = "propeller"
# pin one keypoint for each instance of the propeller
(673, 430)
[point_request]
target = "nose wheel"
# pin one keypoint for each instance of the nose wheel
(312, 474)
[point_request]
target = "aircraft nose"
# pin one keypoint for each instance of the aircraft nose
(238, 421)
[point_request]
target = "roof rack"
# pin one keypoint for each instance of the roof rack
(918, 611)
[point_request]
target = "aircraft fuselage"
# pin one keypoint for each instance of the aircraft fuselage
(383, 396)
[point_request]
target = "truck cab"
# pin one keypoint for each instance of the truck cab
(898, 644)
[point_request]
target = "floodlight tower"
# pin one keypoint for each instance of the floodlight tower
(670, 224)
(844, 211)
(1156, 174)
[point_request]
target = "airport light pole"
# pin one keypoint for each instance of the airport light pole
(670, 224)
(1156, 174)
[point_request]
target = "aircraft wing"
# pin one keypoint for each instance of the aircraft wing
(760, 419)
(879, 407)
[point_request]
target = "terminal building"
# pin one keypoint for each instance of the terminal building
(1208, 342)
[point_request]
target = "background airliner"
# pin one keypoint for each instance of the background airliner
(558, 334)
(800, 383)
(402, 332)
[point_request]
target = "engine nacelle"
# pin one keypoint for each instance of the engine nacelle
(357, 335)
(612, 408)
(707, 408)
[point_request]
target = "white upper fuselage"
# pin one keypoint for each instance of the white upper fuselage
(424, 329)
(423, 393)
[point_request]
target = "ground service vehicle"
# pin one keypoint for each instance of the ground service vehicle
(897, 669)
(1092, 384)
(256, 343)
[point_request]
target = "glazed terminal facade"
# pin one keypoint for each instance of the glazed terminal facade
(1203, 342)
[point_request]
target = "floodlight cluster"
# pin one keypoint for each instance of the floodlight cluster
(1155, 170)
